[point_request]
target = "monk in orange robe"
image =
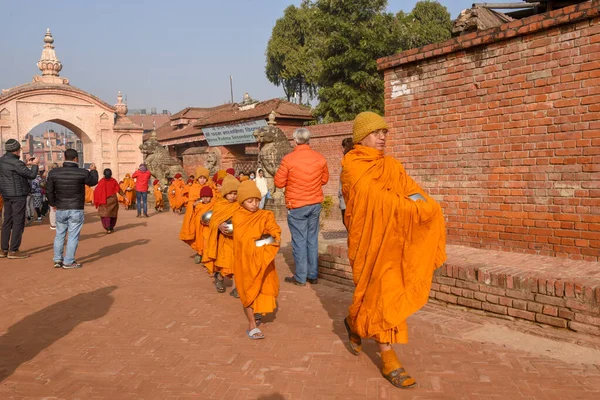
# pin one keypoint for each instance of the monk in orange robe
(219, 248)
(120, 198)
(129, 189)
(89, 195)
(207, 202)
(159, 202)
(255, 275)
(396, 240)
(188, 227)
(177, 192)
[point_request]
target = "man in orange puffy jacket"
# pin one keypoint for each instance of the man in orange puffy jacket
(302, 173)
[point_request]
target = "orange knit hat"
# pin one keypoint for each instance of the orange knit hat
(201, 171)
(365, 123)
(230, 184)
(248, 190)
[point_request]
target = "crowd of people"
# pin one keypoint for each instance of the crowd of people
(396, 232)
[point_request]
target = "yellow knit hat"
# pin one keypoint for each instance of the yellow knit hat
(365, 123)
(230, 184)
(201, 171)
(248, 190)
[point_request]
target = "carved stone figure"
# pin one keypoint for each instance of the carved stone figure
(212, 162)
(159, 162)
(274, 145)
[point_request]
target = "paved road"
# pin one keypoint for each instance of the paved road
(141, 321)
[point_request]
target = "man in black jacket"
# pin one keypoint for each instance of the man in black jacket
(65, 190)
(14, 186)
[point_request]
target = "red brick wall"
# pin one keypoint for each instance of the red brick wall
(503, 128)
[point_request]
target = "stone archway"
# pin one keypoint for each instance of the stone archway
(50, 98)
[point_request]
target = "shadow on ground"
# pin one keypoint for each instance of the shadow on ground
(274, 396)
(50, 246)
(111, 250)
(38, 331)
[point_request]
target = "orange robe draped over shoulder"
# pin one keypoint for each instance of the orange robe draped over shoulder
(158, 197)
(394, 244)
(254, 271)
(219, 247)
(188, 226)
(89, 194)
(177, 192)
(128, 183)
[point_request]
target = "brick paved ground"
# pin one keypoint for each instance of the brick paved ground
(141, 321)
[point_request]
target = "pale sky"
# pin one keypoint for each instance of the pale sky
(163, 54)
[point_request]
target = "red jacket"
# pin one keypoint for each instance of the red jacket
(303, 172)
(141, 180)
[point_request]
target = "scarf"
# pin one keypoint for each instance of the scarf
(105, 189)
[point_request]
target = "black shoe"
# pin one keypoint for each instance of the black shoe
(291, 279)
(234, 293)
(312, 281)
(139, 215)
(58, 264)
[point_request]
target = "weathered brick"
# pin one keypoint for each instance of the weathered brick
(490, 298)
(555, 301)
(520, 294)
(550, 310)
(535, 307)
(446, 281)
(584, 328)
(548, 320)
(578, 305)
(587, 319)
(448, 298)
(519, 304)
(469, 303)
(445, 289)
(521, 314)
(467, 285)
(479, 296)
(467, 293)
(566, 314)
(505, 301)
(492, 290)
(494, 308)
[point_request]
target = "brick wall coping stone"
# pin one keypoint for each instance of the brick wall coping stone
(547, 290)
(519, 27)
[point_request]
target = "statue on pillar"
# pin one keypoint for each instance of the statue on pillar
(274, 145)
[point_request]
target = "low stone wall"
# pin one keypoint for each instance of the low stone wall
(546, 290)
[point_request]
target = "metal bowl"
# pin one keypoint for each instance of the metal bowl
(264, 240)
(229, 228)
(206, 217)
(417, 196)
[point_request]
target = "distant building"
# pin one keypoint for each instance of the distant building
(148, 120)
(50, 147)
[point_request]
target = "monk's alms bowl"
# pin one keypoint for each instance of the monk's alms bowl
(206, 217)
(417, 196)
(229, 227)
(264, 240)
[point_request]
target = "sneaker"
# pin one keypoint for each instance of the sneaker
(234, 293)
(146, 216)
(312, 281)
(3, 253)
(17, 255)
(39, 219)
(58, 264)
(53, 227)
(291, 279)
(72, 265)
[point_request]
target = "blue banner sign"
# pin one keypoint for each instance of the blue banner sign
(232, 134)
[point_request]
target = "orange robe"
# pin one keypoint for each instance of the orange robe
(158, 197)
(128, 183)
(89, 194)
(254, 271)
(176, 194)
(219, 247)
(188, 227)
(394, 244)
(1, 204)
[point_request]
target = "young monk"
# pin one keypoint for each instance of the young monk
(159, 202)
(205, 204)
(129, 189)
(121, 199)
(188, 227)
(177, 193)
(219, 247)
(255, 276)
(394, 244)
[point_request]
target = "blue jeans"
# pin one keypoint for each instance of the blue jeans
(304, 227)
(139, 197)
(262, 202)
(69, 221)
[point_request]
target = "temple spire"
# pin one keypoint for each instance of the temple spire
(49, 64)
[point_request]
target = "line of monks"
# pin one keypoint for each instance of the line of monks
(213, 206)
(127, 185)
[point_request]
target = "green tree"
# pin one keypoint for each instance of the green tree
(291, 63)
(350, 36)
(429, 22)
